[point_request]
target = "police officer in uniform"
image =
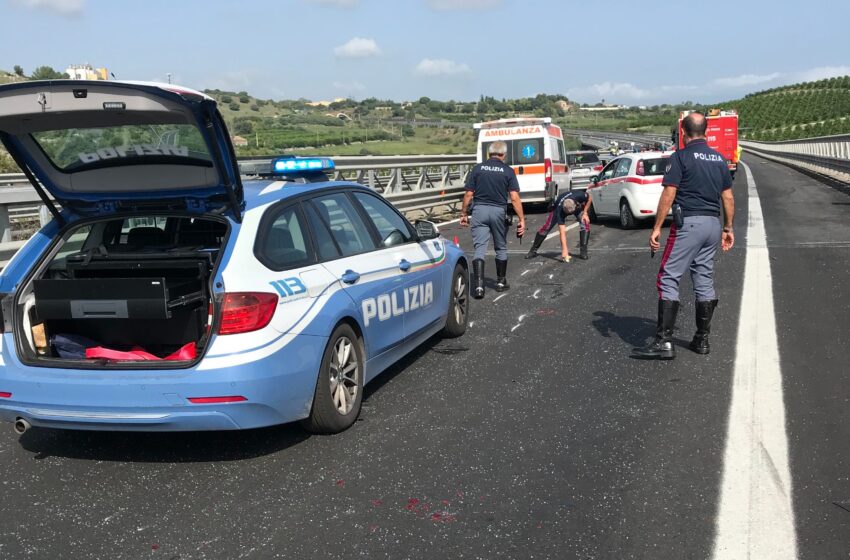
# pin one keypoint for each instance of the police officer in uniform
(696, 183)
(489, 186)
(578, 204)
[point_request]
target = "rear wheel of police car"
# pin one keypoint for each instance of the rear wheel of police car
(339, 389)
(458, 304)
(627, 218)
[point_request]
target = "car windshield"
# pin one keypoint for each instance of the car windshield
(655, 166)
(77, 149)
(579, 159)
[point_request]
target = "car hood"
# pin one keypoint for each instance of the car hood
(96, 145)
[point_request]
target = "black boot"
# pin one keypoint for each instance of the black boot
(661, 348)
(538, 241)
(584, 237)
(501, 272)
(705, 310)
(478, 282)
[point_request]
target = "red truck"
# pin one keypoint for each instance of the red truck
(722, 134)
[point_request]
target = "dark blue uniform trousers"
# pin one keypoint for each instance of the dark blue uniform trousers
(693, 246)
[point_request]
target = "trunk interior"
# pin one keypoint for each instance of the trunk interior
(123, 291)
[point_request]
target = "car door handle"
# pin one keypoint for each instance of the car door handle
(350, 277)
(403, 265)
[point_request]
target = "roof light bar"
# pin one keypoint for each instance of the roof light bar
(291, 165)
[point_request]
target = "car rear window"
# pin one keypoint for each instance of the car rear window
(579, 159)
(654, 166)
(78, 149)
(520, 152)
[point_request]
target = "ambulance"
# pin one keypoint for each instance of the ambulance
(535, 152)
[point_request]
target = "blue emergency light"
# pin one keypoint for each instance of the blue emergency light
(291, 165)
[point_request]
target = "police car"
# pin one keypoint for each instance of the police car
(167, 295)
(629, 187)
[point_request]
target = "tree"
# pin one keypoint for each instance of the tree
(48, 73)
(18, 70)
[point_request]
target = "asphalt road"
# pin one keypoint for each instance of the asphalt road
(533, 436)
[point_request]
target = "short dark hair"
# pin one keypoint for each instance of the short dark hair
(695, 125)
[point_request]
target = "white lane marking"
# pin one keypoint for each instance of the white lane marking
(555, 233)
(519, 323)
(456, 220)
(497, 298)
(756, 516)
(536, 293)
(524, 272)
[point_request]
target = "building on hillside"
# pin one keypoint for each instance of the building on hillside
(324, 103)
(563, 105)
(86, 72)
(239, 141)
(605, 108)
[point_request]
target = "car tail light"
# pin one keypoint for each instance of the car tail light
(547, 170)
(216, 400)
(5, 395)
(244, 312)
(598, 168)
(640, 169)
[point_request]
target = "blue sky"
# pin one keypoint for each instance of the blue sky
(637, 53)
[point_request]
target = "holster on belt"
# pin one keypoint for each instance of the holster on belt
(678, 218)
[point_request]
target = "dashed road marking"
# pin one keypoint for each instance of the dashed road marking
(519, 323)
(756, 515)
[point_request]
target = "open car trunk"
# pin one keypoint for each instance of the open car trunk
(121, 292)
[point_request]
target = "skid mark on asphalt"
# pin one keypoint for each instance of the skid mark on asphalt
(756, 516)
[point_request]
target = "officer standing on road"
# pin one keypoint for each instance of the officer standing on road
(578, 204)
(489, 186)
(696, 182)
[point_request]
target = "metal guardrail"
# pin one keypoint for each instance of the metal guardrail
(420, 184)
(826, 155)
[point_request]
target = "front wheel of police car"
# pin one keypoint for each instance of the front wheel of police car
(339, 389)
(458, 304)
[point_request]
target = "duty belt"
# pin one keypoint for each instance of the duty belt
(689, 213)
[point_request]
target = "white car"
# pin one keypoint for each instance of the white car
(629, 187)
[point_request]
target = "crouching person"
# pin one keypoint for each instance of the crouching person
(576, 203)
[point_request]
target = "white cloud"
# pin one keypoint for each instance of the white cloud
(358, 47)
(745, 80)
(61, 7)
(335, 3)
(821, 73)
(349, 86)
(441, 67)
(461, 5)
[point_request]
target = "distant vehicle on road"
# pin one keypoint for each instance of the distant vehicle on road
(629, 188)
(583, 165)
(535, 152)
(167, 295)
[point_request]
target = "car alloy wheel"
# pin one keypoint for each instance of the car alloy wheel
(461, 299)
(344, 375)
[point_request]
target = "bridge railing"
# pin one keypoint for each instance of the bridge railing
(826, 155)
(416, 185)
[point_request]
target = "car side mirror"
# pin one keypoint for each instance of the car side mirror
(426, 230)
(594, 179)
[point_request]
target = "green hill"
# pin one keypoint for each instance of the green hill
(806, 110)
